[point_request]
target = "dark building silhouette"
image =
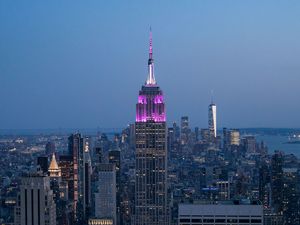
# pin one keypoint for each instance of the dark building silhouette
(42, 162)
(277, 182)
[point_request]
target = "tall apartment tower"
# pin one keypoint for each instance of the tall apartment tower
(212, 119)
(80, 180)
(114, 157)
(151, 153)
(75, 148)
(105, 198)
(86, 181)
(35, 203)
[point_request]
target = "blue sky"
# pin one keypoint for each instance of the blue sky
(76, 64)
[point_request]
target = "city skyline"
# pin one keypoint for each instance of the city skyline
(48, 65)
(90, 136)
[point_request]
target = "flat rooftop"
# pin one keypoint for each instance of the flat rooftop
(207, 209)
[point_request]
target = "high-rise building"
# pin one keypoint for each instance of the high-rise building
(105, 198)
(249, 143)
(54, 170)
(171, 139)
(264, 186)
(42, 163)
(277, 182)
(35, 202)
(66, 187)
(98, 154)
(176, 131)
(76, 172)
(212, 119)
(151, 205)
(194, 214)
(86, 181)
(291, 196)
(60, 191)
(184, 130)
(79, 150)
(231, 138)
(75, 149)
(67, 173)
(114, 157)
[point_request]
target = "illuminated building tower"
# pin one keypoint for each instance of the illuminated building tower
(212, 119)
(86, 181)
(151, 153)
(59, 189)
(54, 170)
(67, 171)
(75, 147)
(231, 138)
(80, 186)
(67, 185)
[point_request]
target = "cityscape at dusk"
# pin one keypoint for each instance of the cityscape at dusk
(149, 112)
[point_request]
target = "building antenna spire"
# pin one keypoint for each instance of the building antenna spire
(151, 79)
(212, 96)
(150, 44)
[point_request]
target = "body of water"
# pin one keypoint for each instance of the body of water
(279, 142)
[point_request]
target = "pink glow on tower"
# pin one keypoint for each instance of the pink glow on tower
(142, 99)
(150, 107)
(158, 99)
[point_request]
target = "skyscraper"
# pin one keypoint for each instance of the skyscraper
(212, 119)
(54, 170)
(105, 198)
(35, 204)
(80, 182)
(75, 147)
(42, 162)
(222, 213)
(151, 153)
(277, 182)
(114, 157)
(184, 130)
(86, 181)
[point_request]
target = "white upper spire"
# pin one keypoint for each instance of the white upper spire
(151, 78)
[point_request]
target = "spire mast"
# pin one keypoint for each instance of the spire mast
(151, 79)
(150, 44)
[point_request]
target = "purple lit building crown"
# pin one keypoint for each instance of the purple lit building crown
(150, 106)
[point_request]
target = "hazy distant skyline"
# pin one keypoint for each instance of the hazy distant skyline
(76, 64)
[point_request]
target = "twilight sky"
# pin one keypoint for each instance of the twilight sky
(80, 64)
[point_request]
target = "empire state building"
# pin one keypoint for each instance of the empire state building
(151, 153)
